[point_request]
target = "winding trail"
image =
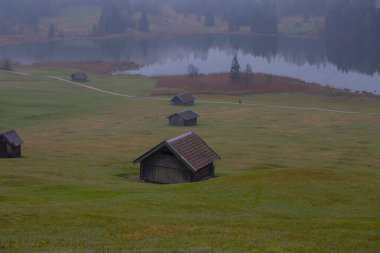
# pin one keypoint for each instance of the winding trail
(217, 102)
(201, 101)
(15, 72)
(106, 91)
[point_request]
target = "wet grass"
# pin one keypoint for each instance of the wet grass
(289, 181)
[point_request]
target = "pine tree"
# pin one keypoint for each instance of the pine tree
(6, 64)
(144, 23)
(94, 29)
(114, 18)
(52, 31)
(235, 70)
(209, 19)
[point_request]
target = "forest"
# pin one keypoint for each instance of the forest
(346, 19)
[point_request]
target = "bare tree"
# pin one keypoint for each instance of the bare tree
(248, 74)
(192, 70)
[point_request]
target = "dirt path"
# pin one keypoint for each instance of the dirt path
(217, 102)
(199, 101)
(105, 91)
(14, 72)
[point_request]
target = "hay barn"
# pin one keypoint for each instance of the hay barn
(10, 144)
(184, 118)
(183, 159)
(185, 99)
(79, 77)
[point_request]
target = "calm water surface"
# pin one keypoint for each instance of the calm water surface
(354, 66)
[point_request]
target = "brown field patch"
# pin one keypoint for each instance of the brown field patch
(220, 84)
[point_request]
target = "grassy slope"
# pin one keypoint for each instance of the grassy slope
(289, 181)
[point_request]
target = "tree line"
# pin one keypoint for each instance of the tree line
(19, 16)
(347, 19)
(354, 20)
(117, 17)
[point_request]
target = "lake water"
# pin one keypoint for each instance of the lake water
(355, 66)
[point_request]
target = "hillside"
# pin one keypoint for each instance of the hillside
(291, 179)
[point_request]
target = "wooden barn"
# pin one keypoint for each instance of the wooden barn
(183, 159)
(10, 144)
(184, 118)
(185, 99)
(79, 77)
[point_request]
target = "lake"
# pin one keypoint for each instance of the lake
(355, 66)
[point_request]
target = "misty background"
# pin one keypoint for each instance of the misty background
(346, 19)
(332, 42)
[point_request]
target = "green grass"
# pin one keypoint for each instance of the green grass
(289, 181)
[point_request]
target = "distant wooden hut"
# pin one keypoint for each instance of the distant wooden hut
(184, 118)
(185, 99)
(79, 77)
(186, 158)
(10, 144)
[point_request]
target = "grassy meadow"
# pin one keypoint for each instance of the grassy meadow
(290, 180)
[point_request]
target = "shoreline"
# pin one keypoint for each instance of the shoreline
(94, 67)
(35, 38)
(219, 83)
(213, 83)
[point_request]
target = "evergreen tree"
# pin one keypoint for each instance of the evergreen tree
(52, 31)
(235, 70)
(6, 64)
(233, 21)
(264, 18)
(210, 19)
(94, 30)
(144, 23)
(114, 18)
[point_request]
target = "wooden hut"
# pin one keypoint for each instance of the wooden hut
(183, 159)
(185, 99)
(79, 77)
(184, 118)
(10, 144)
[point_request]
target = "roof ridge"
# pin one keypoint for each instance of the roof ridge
(188, 110)
(179, 137)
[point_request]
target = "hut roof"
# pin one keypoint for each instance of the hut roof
(186, 97)
(12, 138)
(189, 148)
(186, 115)
(80, 75)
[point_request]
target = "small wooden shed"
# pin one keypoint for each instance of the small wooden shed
(184, 118)
(185, 99)
(79, 77)
(10, 144)
(183, 159)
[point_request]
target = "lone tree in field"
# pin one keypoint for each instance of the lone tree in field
(235, 70)
(248, 74)
(144, 23)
